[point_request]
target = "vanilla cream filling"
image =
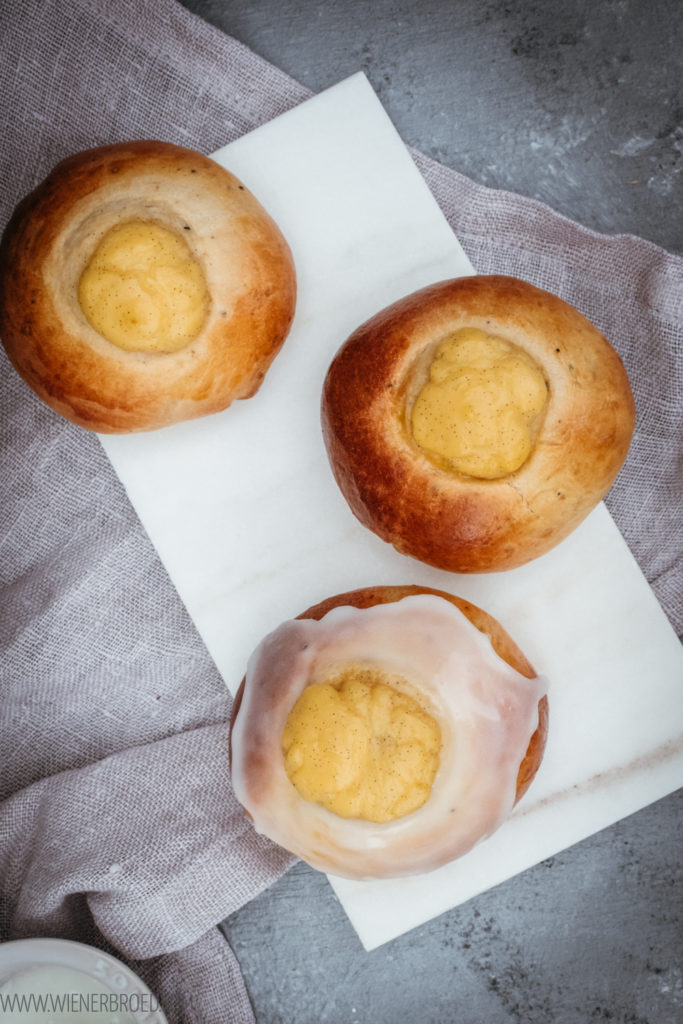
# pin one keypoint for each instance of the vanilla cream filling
(360, 747)
(143, 290)
(479, 411)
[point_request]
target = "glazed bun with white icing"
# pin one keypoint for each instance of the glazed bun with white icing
(475, 423)
(142, 284)
(386, 731)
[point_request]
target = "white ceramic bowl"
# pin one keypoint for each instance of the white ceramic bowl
(78, 983)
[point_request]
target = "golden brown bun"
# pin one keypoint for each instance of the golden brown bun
(49, 241)
(452, 521)
(502, 644)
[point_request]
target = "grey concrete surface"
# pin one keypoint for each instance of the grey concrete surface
(592, 934)
(581, 105)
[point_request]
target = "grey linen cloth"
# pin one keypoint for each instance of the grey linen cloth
(119, 826)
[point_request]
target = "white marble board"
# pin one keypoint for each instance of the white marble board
(248, 521)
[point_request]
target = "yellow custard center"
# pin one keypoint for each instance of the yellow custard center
(143, 290)
(479, 410)
(361, 748)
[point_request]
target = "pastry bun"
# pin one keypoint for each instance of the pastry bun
(435, 833)
(506, 486)
(142, 284)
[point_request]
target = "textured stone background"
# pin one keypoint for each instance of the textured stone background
(581, 105)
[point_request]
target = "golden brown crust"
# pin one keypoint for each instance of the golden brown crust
(503, 645)
(49, 240)
(455, 522)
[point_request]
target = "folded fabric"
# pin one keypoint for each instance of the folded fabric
(119, 826)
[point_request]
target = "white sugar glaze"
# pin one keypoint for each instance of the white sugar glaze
(487, 711)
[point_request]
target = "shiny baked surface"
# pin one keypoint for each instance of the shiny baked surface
(142, 284)
(546, 399)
